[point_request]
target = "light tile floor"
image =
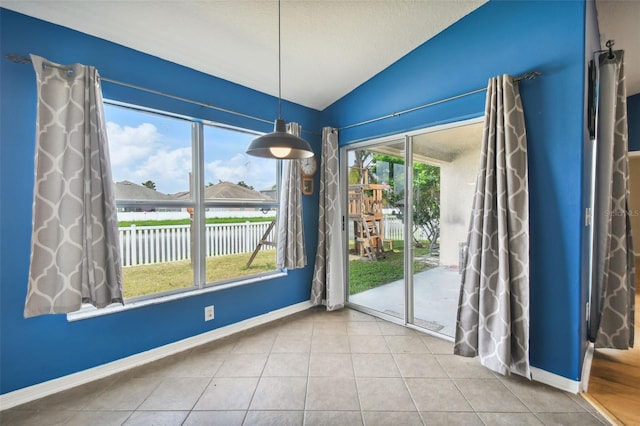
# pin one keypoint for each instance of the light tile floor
(312, 368)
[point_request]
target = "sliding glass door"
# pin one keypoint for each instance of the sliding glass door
(375, 190)
(407, 226)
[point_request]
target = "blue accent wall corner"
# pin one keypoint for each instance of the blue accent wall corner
(508, 37)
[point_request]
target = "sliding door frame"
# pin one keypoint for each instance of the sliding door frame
(409, 317)
(407, 137)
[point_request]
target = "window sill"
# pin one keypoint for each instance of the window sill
(89, 311)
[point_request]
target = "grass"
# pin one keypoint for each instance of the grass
(365, 274)
(161, 277)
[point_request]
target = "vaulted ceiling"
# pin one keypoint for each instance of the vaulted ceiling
(329, 47)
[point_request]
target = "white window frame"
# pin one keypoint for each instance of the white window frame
(199, 206)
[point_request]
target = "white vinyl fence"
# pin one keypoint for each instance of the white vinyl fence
(146, 245)
(394, 229)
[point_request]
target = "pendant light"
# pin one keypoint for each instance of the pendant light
(279, 144)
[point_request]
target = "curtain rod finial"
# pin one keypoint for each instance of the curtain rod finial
(18, 58)
(610, 44)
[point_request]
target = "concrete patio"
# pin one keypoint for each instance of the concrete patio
(436, 294)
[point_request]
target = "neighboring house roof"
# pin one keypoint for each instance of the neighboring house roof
(228, 190)
(182, 195)
(126, 190)
(232, 190)
(271, 194)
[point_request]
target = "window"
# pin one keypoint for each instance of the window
(193, 208)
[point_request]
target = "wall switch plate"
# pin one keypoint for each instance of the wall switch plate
(208, 313)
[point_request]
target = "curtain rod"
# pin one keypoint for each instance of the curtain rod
(22, 59)
(527, 76)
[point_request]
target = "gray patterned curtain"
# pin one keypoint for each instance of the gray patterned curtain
(74, 244)
(291, 252)
(611, 322)
(493, 310)
(328, 277)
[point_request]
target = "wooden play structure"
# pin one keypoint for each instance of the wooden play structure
(264, 241)
(365, 210)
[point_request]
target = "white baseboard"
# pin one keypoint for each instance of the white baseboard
(586, 367)
(31, 393)
(554, 380)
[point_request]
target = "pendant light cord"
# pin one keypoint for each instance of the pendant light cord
(279, 67)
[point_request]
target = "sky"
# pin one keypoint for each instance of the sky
(145, 146)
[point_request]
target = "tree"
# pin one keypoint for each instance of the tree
(244, 185)
(149, 184)
(356, 172)
(426, 200)
(426, 195)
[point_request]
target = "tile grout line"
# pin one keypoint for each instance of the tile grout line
(453, 382)
(253, 394)
(306, 396)
(355, 380)
(404, 379)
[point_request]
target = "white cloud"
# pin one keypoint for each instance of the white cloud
(230, 170)
(254, 172)
(169, 169)
(143, 153)
(128, 145)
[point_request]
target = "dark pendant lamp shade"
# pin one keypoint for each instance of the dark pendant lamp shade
(280, 144)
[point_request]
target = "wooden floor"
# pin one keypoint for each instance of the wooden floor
(614, 386)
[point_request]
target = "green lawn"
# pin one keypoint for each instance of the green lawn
(149, 279)
(365, 274)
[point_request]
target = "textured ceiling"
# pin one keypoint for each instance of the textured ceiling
(329, 47)
(435, 147)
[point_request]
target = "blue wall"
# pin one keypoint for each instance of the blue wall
(508, 37)
(47, 347)
(633, 118)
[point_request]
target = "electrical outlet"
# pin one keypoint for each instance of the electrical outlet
(208, 313)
